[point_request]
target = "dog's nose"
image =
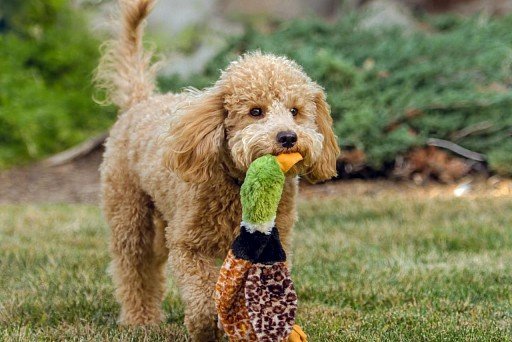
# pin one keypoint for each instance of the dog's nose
(287, 138)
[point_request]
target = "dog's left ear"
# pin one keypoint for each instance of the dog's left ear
(324, 167)
(197, 137)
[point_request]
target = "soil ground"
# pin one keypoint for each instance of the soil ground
(74, 182)
(78, 182)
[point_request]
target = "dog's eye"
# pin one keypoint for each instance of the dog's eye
(256, 112)
(294, 111)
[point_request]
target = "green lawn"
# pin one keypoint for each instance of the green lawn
(382, 268)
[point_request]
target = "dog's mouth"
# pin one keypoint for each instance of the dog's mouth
(244, 152)
(281, 150)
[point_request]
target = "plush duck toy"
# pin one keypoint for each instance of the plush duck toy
(254, 295)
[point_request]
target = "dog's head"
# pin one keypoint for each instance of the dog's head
(262, 104)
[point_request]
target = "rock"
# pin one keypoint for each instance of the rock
(283, 9)
(386, 14)
(462, 189)
(462, 7)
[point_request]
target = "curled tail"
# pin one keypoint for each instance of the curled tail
(125, 71)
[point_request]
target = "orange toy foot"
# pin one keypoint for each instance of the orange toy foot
(297, 335)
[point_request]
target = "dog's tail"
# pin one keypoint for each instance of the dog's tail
(125, 71)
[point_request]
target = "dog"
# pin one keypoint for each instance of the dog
(174, 163)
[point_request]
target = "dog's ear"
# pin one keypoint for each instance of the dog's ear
(197, 137)
(324, 167)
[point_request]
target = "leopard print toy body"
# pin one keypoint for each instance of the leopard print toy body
(255, 297)
(230, 299)
(271, 301)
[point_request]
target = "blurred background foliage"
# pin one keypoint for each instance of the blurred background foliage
(390, 89)
(47, 57)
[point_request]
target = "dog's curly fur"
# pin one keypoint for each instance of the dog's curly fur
(174, 162)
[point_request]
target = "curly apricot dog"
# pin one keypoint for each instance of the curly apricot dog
(174, 163)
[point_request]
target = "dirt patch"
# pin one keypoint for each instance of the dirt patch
(467, 187)
(74, 182)
(78, 182)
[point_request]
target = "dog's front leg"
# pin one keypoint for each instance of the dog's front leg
(196, 274)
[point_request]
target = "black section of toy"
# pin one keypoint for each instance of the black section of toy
(258, 247)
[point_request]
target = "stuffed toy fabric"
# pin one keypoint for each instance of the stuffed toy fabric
(254, 295)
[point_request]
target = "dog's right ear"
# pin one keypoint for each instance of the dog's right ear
(196, 137)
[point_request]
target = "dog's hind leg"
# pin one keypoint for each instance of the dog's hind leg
(138, 251)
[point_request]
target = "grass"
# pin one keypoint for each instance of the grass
(385, 268)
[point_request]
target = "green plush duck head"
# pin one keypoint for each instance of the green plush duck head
(262, 189)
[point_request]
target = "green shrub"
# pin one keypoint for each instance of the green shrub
(47, 57)
(391, 91)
